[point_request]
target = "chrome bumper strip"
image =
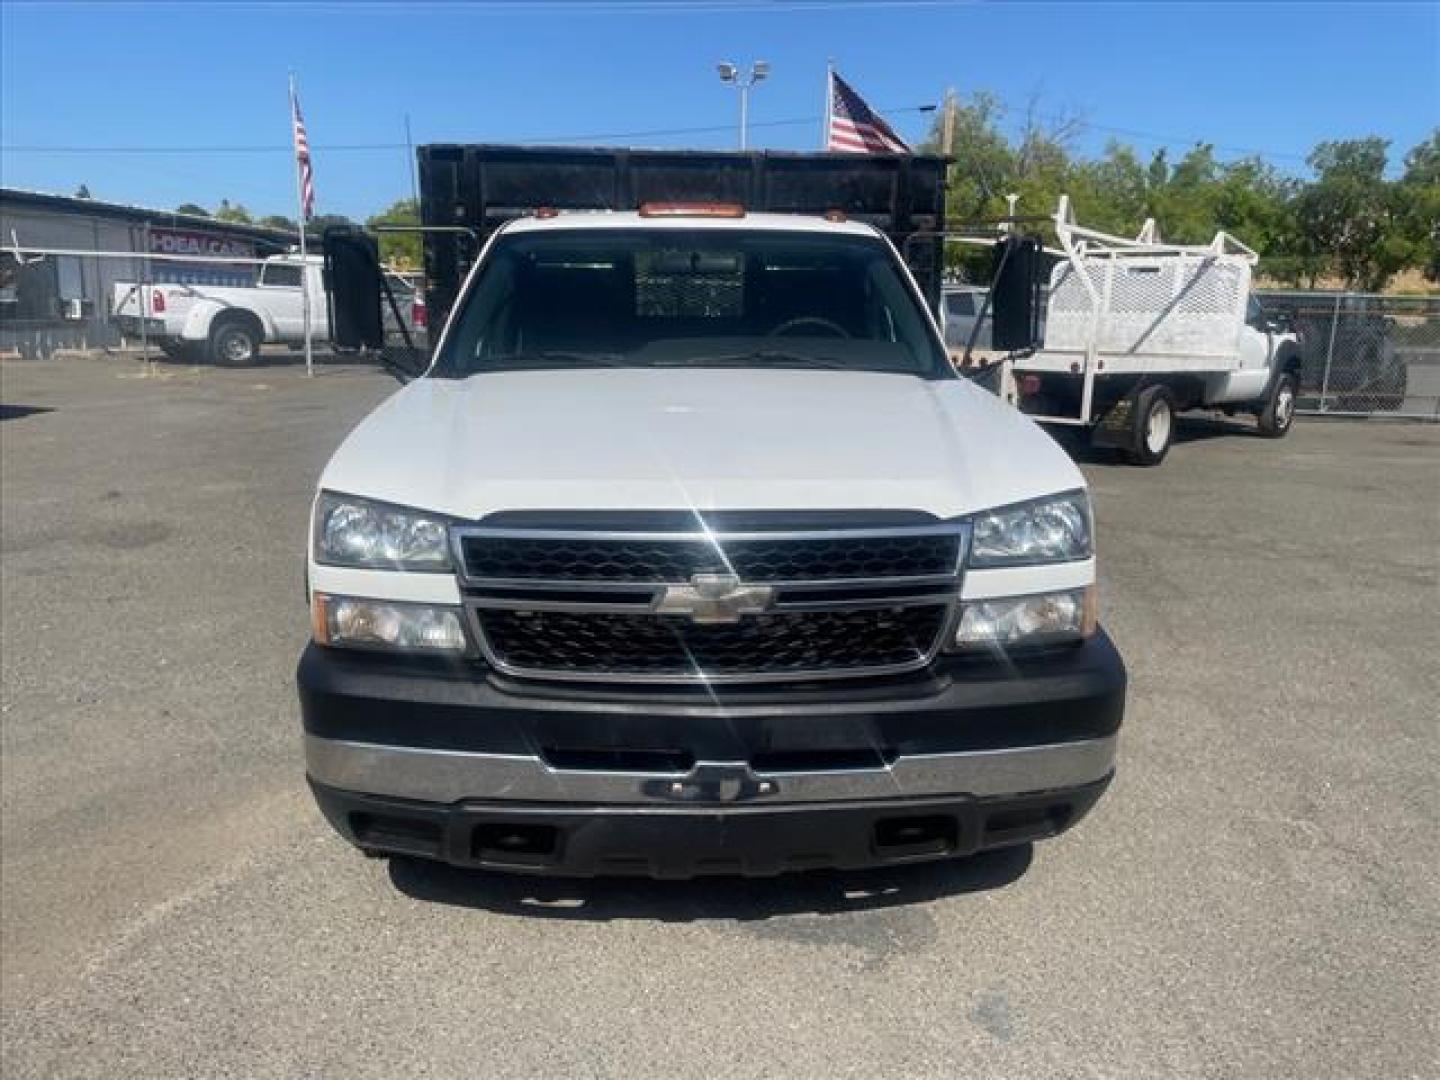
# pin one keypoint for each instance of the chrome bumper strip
(446, 776)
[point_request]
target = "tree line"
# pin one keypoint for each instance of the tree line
(398, 250)
(1355, 222)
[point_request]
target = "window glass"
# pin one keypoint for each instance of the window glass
(960, 305)
(72, 277)
(281, 274)
(704, 297)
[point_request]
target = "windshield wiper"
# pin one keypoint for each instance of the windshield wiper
(549, 358)
(772, 357)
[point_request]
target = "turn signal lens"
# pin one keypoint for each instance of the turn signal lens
(383, 624)
(1024, 621)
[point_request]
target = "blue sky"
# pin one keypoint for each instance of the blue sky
(1275, 78)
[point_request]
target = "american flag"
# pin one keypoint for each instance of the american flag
(855, 127)
(302, 160)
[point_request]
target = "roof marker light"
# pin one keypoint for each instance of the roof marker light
(696, 209)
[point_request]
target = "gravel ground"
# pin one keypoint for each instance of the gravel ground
(1256, 896)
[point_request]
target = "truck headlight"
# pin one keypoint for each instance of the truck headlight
(1055, 529)
(358, 532)
(1041, 619)
(385, 624)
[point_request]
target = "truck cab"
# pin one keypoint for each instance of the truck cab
(688, 552)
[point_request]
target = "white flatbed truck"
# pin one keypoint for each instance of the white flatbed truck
(1137, 330)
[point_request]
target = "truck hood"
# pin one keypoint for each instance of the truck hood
(702, 439)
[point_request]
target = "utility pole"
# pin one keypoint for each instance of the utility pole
(410, 152)
(947, 126)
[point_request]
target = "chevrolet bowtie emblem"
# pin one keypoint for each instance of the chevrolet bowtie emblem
(715, 598)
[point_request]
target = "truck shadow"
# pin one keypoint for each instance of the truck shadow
(15, 412)
(735, 898)
(1188, 429)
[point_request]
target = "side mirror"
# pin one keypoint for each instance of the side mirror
(356, 288)
(352, 279)
(1015, 293)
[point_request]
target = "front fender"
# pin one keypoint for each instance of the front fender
(1287, 357)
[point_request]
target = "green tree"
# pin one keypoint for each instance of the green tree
(1349, 220)
(320, 222)
(193, 209)
(236, 213)
(1350, 216)
(1113, 192)
(277, 221)
(1182, 196)
(402, 250)
(1418, 197)
(984, 162)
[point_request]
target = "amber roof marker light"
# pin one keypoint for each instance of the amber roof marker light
(691, 209)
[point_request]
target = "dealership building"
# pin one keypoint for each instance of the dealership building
(56, 301)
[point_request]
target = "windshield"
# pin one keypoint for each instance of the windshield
(691, 298)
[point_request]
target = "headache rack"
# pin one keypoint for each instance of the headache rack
(467, 191)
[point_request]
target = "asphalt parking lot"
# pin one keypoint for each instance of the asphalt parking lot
(1258, 895)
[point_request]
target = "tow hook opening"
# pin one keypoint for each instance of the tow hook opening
(515, 843)
(932, 834)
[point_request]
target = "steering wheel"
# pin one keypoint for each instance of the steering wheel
(808, 320)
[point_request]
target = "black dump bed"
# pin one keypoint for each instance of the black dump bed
(479, 188)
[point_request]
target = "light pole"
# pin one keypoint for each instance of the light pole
(729, 73)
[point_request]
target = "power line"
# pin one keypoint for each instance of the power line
(600, 137)
(285, 148)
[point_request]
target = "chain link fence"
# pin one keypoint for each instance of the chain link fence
(1364, 354)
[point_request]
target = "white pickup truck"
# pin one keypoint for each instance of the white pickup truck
(690, 553)
(228, 324)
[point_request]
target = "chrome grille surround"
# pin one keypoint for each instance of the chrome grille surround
(633, 587)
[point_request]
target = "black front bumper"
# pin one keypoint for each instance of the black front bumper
(450, 761)
(1068, 694)
(684, 842)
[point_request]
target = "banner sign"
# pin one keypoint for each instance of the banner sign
(189, 242)
(176, 242)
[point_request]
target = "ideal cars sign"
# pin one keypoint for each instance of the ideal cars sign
(178, 242)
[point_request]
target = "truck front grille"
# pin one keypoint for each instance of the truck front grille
(781, 644)
(602, 605)
(750, 558)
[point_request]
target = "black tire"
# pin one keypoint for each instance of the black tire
(1278, 415)
(234, 343)
(1153, 428)
(179, 351)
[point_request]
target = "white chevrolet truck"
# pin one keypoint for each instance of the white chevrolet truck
(227, 324)
(689, 553)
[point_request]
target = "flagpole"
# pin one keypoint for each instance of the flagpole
(304, 262)
(829, 103)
